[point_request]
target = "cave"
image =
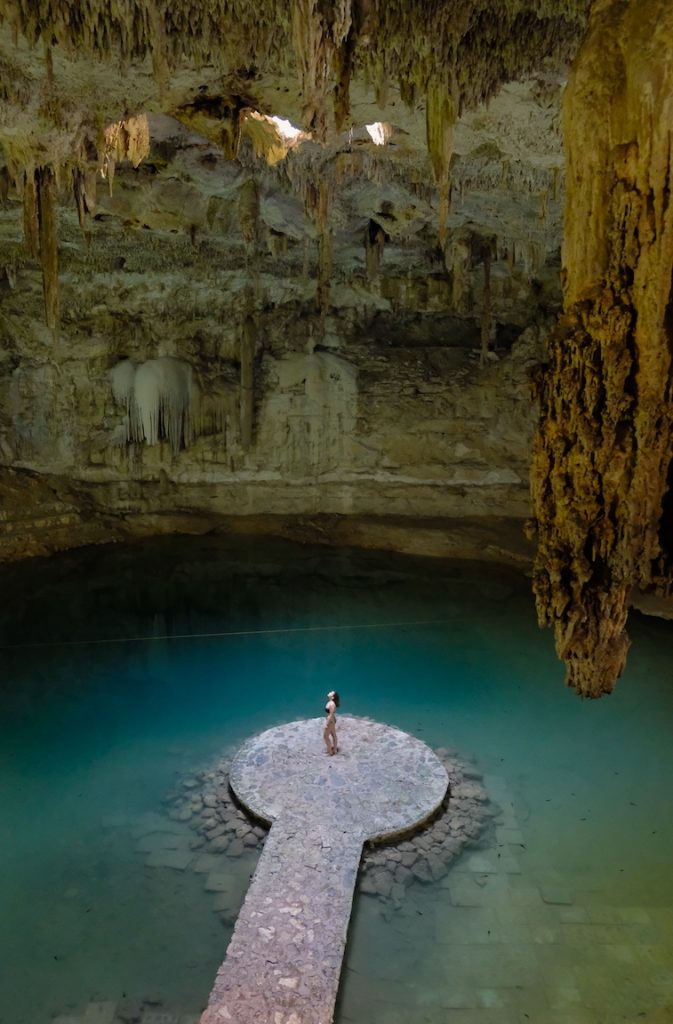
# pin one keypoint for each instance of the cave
(336, 355)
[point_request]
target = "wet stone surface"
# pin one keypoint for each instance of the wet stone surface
(284, 958)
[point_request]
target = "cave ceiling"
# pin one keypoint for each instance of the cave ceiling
(173, 102)
(276, 163)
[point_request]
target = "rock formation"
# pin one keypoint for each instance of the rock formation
(602, 459)
(326, 356)
(295, 262)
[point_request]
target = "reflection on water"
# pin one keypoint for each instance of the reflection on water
(567, 918)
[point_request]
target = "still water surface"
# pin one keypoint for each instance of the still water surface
(94, 734)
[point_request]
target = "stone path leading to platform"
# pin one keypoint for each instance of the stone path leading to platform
(284, 959)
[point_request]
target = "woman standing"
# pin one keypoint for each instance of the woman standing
(329, 733)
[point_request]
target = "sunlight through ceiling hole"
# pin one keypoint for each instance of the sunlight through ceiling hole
(379, 132)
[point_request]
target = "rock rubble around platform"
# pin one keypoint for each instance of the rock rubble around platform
(222, 830)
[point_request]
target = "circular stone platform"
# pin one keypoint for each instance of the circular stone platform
(383, 781)
(284, 958)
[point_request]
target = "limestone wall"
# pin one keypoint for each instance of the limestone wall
(368, 423)
(219, 353)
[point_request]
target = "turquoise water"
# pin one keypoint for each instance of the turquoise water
(579, 896)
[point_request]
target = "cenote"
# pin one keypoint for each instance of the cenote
(126, 669)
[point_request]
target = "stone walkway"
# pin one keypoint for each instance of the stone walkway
(284, 959)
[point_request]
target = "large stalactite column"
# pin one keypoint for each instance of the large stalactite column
(603, 448)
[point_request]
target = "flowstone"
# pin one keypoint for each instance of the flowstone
(284, 959)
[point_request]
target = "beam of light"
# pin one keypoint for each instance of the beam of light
(286, 129)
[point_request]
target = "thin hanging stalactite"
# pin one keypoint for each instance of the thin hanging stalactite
(248, 215)
(486, 314)
(324, 250)
(31, 230)
(441, 113)
(375, 240)
(79, 193)
(485, 43)
(343, 70)
(45, 188)
(159, 47)
(247, 377)
(248, 219)
(310, 41)
(84, 192)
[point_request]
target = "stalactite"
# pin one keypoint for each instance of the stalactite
(84, 192)
(486, 315)
(160, 398)
(136, 139)
(457, 259)
(4, 185)
(323, 39)
(456, 53)
(343, 70)
(247, 380)
(222, 117)
(48, 64)
(128, 139)
(542, 214)
(45, 187)
(230, 134)
(79, 193)
(375, 240)
(159, 46)
(602, 453)
(310, 42)
(31, 231)
(485, 43)
(441, 111)
(324, 249)
(306, 261)
(91, 189)
(122, 376)
(248, 213)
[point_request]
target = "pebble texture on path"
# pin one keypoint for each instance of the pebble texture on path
(284, 959)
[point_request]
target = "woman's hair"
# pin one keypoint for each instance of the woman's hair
(333, 695)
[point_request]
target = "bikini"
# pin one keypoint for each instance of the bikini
(330, 727)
